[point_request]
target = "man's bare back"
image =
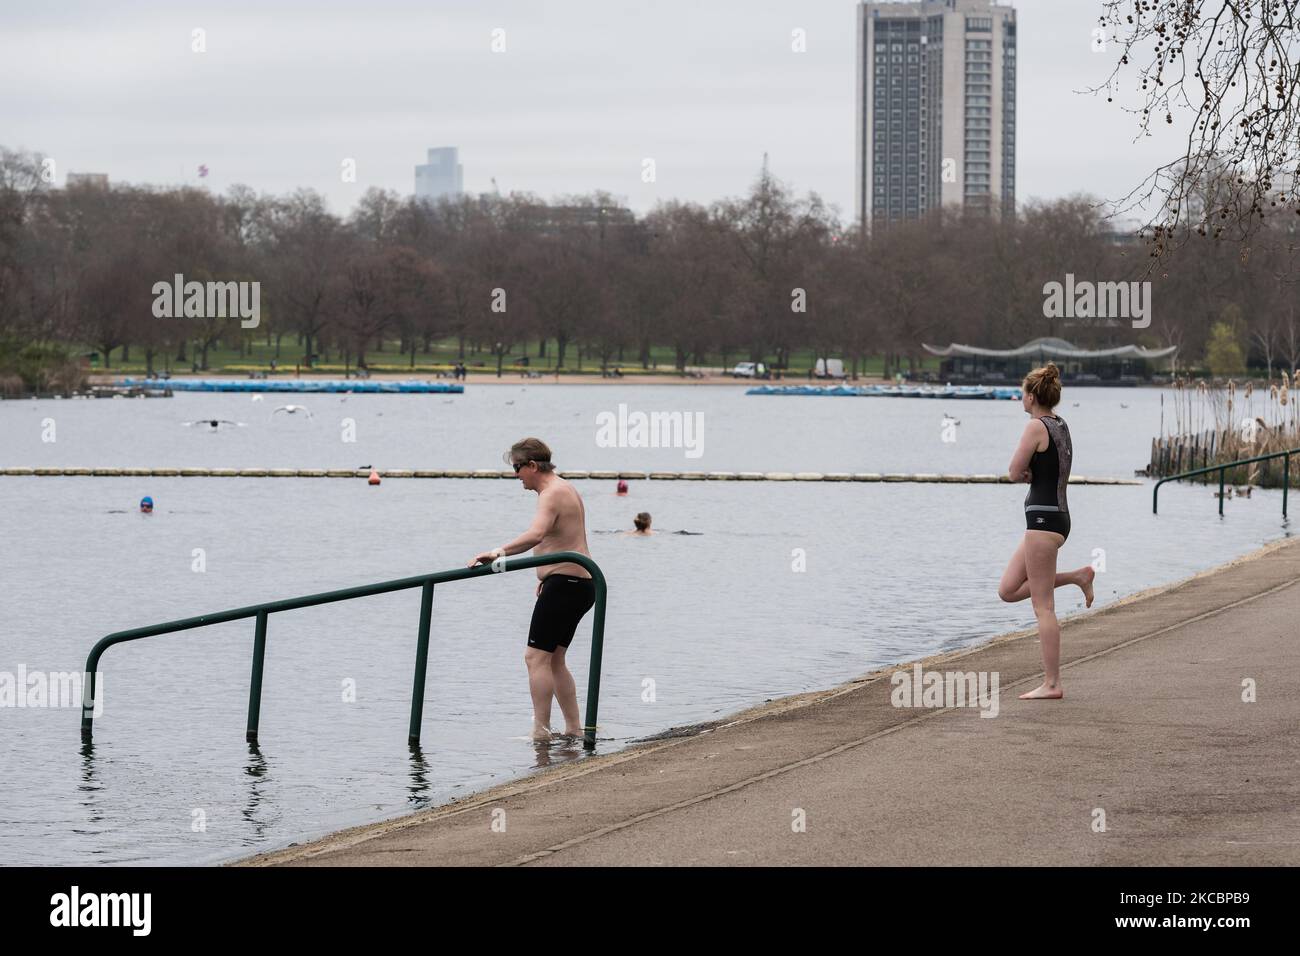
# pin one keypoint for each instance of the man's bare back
(560, 506)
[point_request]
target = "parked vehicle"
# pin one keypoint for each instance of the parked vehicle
(749, 370)
(829, 368)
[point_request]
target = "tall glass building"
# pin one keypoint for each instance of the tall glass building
(936, 108)
(441, 175)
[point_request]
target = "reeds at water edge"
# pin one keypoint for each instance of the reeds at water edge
(1211, 424)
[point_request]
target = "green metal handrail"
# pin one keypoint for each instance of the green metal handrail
(424, 581)
(1222, 469)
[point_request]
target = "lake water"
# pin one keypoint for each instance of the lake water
(717, 621)
(739, 431)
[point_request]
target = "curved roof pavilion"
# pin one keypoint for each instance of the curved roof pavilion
(1052, 348)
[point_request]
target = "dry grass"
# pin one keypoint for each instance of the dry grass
(1208, 425)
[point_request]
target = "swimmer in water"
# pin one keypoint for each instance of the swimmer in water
(146, 505)
(622, 487)
(1043, 459)
(565, 592)
(642, 522)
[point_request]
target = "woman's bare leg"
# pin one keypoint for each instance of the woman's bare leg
(1015, 579)
(1040, 549)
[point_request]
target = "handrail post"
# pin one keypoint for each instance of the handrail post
(255, 682)
(1286, 480)
(421, 664)
(593, 673)
(88, 691)
(1222, 473)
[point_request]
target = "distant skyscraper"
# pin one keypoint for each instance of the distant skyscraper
(936, 108)
(441, 176)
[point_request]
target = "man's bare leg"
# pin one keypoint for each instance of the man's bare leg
(541, 684)
(566, 693)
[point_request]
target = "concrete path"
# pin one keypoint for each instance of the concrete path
(1153, 734)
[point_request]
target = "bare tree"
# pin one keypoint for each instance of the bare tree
(1225, 71)
(304, 257)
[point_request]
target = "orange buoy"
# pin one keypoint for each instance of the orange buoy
(374, 476)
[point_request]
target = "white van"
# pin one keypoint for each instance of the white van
(749, 370)
(829, 368)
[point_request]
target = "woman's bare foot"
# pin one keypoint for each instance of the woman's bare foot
(1044, 691)
(541, 733)
(1086, 585)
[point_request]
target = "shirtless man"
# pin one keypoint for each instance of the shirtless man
(565, 592)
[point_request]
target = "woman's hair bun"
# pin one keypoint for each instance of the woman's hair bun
(1045, 385)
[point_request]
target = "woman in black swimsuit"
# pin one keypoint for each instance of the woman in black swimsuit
(1043, 459)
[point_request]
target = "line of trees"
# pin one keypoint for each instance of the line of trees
(755, 277)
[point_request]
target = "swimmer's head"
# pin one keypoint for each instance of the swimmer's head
(642, 521)
(622, 487)
(1043, 386)
(146, 504)
(530, 458)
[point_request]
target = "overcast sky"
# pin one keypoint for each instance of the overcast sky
(585, 90)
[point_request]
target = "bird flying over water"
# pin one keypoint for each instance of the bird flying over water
(292, 409)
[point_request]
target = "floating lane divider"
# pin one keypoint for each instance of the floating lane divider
(571, 475)
(890, 391)
(292, 385)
